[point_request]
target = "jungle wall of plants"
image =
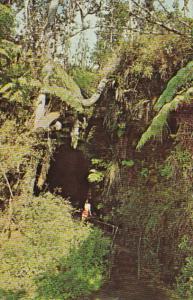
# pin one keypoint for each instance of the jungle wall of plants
(142, 164)
(133, 126)
(45, 252)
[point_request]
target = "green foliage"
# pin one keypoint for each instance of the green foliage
(62, 78)
(81, 272)
(155, 55)
(182, 156)
(185, 244)
(166, 171)
(4, 53)
(112, 21)
(11, 51)
(49, 255)
(179, 165)
(182, 77)
(185, 280)
(95, 176)
(144, 172)
(98, 173)
(16, 146)
(63, 86)
(6, 21)
(121, 129)
(86, 80)
(154, 213)
(65, 95)
(128, 163)
(160, 120)
(112, 175)
(101, 163)
(15, 76)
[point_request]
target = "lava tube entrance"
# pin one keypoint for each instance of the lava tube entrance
(67, 175)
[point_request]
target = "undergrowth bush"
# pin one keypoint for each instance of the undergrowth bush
(48, 254)
(185, 279)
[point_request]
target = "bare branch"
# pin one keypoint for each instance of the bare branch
(153, 20)
(52, 10)
(169, 15)
(7, 182)
(10, 211)
(95, 97)
(168, 28)
(110, 68)
(81, 30)
(164, 8)
(26, 4)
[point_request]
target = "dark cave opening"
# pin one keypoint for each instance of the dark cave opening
(173, 124)
(67, 175)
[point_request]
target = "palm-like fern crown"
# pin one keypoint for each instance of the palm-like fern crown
(169, 101)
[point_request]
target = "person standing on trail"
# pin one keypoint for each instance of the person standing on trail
(86, 213)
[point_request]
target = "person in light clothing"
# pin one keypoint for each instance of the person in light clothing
(86, 213)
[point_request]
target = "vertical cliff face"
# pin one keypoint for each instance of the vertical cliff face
(67, 175)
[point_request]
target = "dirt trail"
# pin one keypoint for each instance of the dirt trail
(124, 285)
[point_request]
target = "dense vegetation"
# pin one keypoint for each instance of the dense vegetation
(150, 190)
(48, 255)
(45, 253)
(128, 106)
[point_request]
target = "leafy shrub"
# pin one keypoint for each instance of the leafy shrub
(6, 21)
(49, 255)
(95, 176)
(128, 163)
(144, 172)
(185, 281)
(166, 171)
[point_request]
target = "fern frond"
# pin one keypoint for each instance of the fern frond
(9, 49)
(7, 87)
(7, 94)
(65, 95)
(160, 119)
(24, 81)
(67, 81)
(183, 76)
(4, 53)
(17, 97)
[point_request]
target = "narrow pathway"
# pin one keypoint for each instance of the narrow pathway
(124, 285)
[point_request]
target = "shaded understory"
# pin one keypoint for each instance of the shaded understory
(124, 285)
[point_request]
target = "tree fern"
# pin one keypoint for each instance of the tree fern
(4, 53)
(160, 120)
(60, 85)
(9, 49)
(65, 80)
(183, 76)
(65, 95)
